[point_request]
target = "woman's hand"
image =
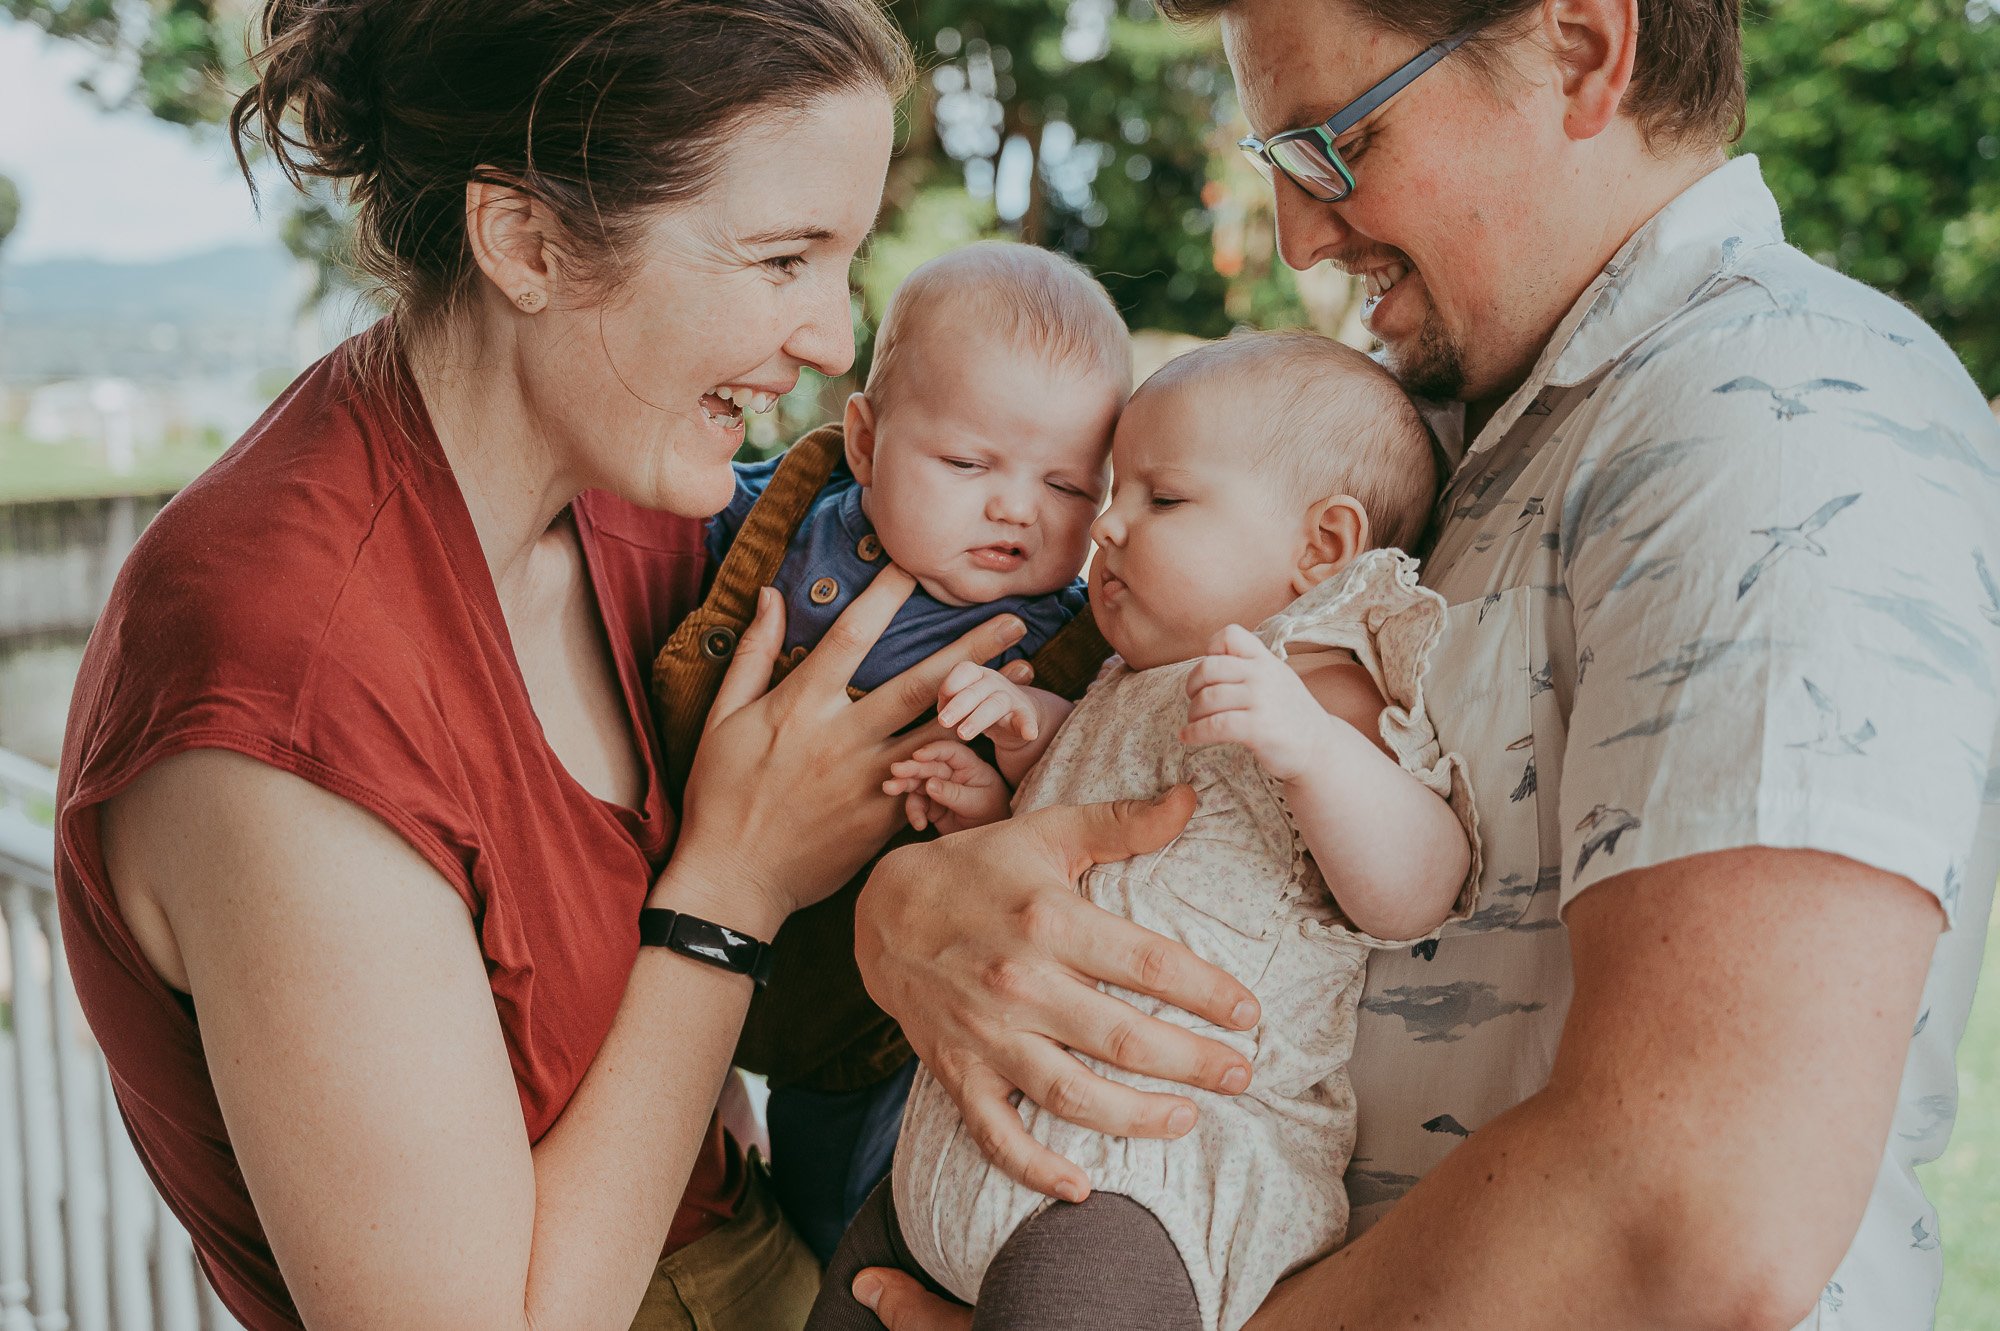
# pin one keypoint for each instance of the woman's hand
(980, 946)
(785, 799)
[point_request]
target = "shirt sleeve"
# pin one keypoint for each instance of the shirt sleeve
(1785, 614)
(751, 478)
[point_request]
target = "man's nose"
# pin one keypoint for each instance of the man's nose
(1308, 230)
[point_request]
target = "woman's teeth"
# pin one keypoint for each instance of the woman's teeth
(1378, 282)
(745, 399)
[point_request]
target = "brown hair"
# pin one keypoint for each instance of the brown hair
(1333, 422)
(1687, 77)
(600, 109)
(1031, 297)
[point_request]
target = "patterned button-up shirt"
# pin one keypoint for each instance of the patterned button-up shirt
(1722, 573)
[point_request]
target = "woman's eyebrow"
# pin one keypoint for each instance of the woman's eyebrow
(773, 237)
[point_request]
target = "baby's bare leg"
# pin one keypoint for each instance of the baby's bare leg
(1104, 1264)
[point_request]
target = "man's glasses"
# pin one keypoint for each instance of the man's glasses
(1308, 155)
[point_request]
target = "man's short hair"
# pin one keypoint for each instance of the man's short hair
(1333, 422)
(1031, 297)
(1687, 76)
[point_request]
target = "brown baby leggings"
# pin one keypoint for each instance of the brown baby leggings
(1104, 1264)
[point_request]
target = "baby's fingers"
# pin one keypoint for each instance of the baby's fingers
(1221, 728)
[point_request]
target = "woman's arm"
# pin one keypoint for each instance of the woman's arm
(351, 1034)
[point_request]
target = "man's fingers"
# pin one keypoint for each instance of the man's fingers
(909, 695)
(900, 1301)
(1113, 1030)
(1130, 955)
(985, 1103)
(749, 673)
(842, 648)
(1105, 833)
(1057, 1081)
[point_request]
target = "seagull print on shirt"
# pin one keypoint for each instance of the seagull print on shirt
(1787, 403)
(1605, 825)
(1992, 607)
(1832, 741)
(1786, 539)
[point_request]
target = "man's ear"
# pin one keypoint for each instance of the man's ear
(510, 234)
(1336, 532)
(858, 434)
(1594, 43)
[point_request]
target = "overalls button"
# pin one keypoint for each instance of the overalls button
(824, 591)
(717, 644)
(868, 548)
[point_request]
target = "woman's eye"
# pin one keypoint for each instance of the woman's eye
(786, 264)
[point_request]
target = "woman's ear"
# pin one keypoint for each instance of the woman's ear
(1336, 532)
(1594, 44)
(510, 234)
(857, 429)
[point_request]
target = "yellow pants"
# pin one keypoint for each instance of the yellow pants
(753, 1274)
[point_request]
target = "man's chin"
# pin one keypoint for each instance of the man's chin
(1428, 365)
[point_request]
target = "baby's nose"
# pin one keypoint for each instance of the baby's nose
(1106, 531)
(1011, 505)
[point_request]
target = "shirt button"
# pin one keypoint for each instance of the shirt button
(797, 654)
(824, 591)
(868, 548)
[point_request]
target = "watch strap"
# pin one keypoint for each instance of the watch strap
(706, 941)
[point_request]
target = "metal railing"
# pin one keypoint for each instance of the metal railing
(85, 1240)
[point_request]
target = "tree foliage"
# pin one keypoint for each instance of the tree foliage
(10, 209)
(1097, 128)
(1878, 125)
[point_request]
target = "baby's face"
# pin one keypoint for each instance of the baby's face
(1196, 537)
(988, 465)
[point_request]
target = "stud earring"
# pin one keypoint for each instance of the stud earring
(531, 300)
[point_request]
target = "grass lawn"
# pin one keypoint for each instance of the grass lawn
(1965, 1183)
(34, 471)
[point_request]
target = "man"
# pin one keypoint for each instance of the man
(1718, 542)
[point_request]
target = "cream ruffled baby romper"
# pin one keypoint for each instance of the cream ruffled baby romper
(1255, 1189)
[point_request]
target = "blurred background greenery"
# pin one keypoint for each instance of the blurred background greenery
(1096, 128)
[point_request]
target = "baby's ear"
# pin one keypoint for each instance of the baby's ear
(1336, 531)
(858, 434)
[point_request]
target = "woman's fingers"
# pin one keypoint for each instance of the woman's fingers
(909, 695)
(749, 673)
(986, 1103)
(843, 647)
(901, 1302)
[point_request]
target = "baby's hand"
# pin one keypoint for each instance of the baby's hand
(946, 784)
(976, 700)
(1241, 694)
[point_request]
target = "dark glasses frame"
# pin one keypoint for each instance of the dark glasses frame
(1314, 145)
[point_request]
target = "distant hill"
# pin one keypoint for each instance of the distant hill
(230, 310)
(251, 284)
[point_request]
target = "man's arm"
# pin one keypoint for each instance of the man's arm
(1707, 1142)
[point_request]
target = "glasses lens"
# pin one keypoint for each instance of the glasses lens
(1305, 160)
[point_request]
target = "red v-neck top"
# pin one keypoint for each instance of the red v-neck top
(318, 601)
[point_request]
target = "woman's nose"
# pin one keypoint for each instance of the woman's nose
(1308, 230)
(825, 340)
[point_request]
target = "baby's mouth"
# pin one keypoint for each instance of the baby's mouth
(999, 556)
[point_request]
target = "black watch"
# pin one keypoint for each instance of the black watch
(706, 941)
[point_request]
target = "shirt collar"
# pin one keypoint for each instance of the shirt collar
(1696, 241)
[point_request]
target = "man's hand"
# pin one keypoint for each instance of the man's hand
(946, 785)
(980, 946)
(903, 1304)
(1242, 694)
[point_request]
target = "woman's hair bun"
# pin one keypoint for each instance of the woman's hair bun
(313, 56)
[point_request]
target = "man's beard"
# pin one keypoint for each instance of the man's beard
(1434, 368)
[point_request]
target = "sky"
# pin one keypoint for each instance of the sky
(108, 185)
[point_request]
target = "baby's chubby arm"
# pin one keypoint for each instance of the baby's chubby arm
(1019, 720)
(1393, 853)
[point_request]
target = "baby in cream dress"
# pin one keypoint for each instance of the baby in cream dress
(1259, 481)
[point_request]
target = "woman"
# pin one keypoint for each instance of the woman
(359, 771)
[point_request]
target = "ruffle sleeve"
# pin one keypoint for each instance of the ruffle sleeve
(1376, 610)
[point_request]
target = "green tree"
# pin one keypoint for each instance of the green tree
(1878, 125)
(10, 209)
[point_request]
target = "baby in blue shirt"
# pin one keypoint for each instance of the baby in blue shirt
(976, 458)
